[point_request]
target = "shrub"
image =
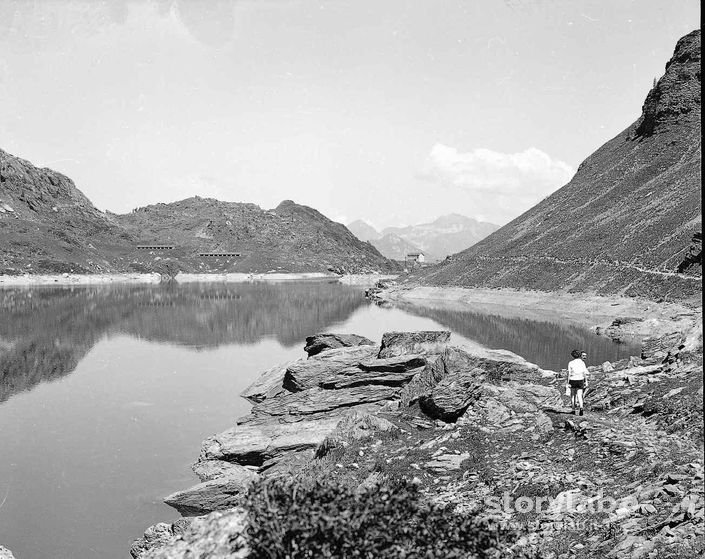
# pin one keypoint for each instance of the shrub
(290, 519)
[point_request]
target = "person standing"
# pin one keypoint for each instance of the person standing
(577, 379)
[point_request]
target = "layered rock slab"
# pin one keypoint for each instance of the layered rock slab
(449, 399)
(208, 470)
(306, 374)
(319, 343)
(408, 343)
(269, 384)
(349, 378)
(255, 442)
(215, 494)
(321, 400)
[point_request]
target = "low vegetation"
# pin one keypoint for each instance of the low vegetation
(296, 519)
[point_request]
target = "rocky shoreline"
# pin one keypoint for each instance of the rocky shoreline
(25, 280)
(467, 428)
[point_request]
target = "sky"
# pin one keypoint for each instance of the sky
(391, 111)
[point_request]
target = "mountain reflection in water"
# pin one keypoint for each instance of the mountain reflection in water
(546, 343)
(45, 332)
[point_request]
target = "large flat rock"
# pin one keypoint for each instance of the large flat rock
(268, 384)
(208, 470)
(308, 373)
(353, 377)
(409, 343)
(255, 442)
(320, 400)
(319, 343)
(457, 359)
(217, 494)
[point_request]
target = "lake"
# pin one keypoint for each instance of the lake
(106, 392)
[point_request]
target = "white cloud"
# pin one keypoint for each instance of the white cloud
(498, 185)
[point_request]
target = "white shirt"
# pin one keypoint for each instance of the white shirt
(577, 369)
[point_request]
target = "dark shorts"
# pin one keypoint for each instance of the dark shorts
(577, 384)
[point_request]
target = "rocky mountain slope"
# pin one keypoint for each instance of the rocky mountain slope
(291, 237)
(628, 222)
(47, 225)
(446, 235)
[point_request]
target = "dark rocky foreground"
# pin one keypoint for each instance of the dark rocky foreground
(471, 432)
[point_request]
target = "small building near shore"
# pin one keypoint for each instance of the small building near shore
(415, 258)
(155, 247)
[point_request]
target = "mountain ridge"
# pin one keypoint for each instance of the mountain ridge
(47, 225)
(437, 239)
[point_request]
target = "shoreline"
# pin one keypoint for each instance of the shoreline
(583, 309)
(28, 280)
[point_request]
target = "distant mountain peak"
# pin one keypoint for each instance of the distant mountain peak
(677, 93)
(363, 230)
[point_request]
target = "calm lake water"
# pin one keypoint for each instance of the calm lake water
(107, 392)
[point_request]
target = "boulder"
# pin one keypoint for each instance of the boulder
(208, 470)
(514, 406)
(268, 384)
(457, 359)
(542, 397)
(157, 536)
(409, 343)
(452, 395)
(257, 441)
(424, 381)
(319, 400)
(323, 342)
(664, 348)
(354, 427)
(216, 494)
(308, 373)
(348, 378)
(288, 465)
(218, 535)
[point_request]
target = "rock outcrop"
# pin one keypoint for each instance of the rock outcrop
(216, 494)
(449, 399)
(323, 342)
(309, 373)
(6, 553)
(467, 429)
(410, 343)
(218, 535)
(254, 443)
(269, 384)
